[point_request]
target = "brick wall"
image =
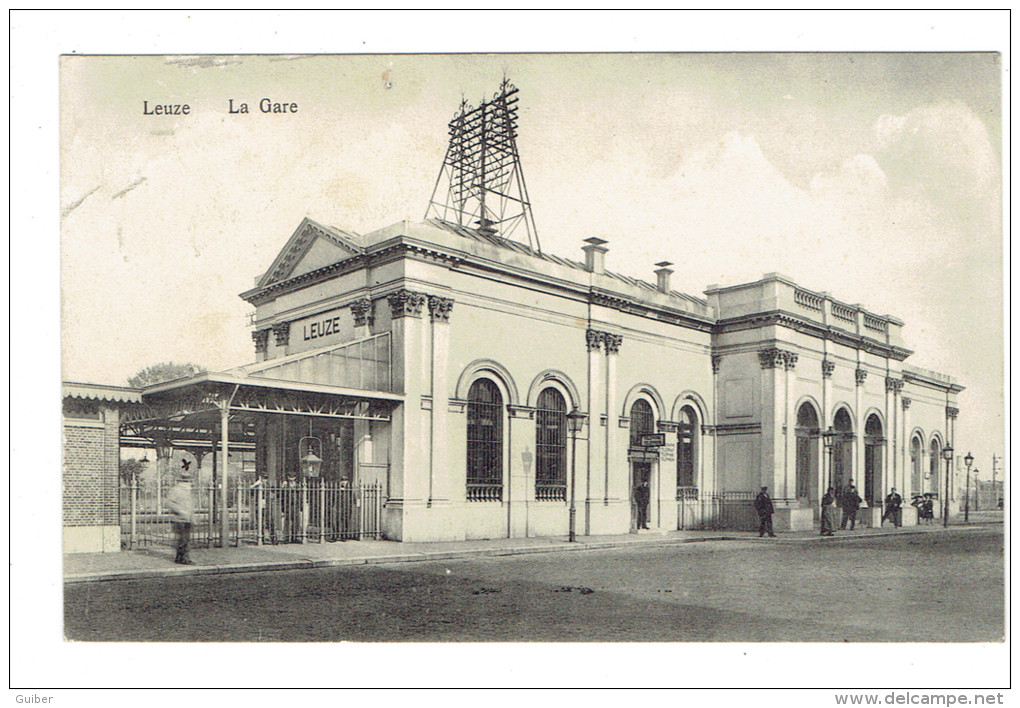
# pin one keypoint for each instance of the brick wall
(92, 470)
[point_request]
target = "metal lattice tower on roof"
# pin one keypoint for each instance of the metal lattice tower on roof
(481, 172)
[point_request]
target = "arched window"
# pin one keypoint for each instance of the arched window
(807, 452)
(873, 443)
(642, 421)
(916, 481)
(484, 442)
(687, 448)
(551, 446)
(935, 453)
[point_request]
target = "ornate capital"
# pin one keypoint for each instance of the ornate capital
(281, 332)
(860, 375)
(893, 385)
(362, 311)
(775, 358)
(594, 338)
(440, 308)
(952, 412)
(827, 368)
(667, 426)
(261, 339)
(613, 342)
(716, 361)
(905, 401)
(406, 303)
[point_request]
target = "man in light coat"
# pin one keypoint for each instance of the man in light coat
(181, 504)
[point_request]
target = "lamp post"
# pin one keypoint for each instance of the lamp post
(968, 460)
(575, 420)
(829, 438)
(947, 454)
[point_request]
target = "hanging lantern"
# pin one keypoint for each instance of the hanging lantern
(311, 461)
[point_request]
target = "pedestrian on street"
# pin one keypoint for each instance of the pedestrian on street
(763, 505)
(642, 495)
(928, 508)
(851, 503)
(181, 504)
(893, 504)
(828, 515)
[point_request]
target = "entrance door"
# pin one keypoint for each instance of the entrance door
(640, 501)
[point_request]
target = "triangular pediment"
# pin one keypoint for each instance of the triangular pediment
(311, 247)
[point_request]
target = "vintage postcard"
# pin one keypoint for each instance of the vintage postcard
(674, 348)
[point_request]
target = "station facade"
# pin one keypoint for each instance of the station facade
(444, 363)
(492, 344)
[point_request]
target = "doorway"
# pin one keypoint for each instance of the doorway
(640, 495)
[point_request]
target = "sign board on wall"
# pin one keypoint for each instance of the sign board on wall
(653, 440)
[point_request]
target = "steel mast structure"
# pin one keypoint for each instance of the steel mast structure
(481, 174)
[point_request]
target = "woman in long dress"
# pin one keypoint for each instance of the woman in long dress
(829, 512)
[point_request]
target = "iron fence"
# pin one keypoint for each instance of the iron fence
(725, 510)
(312, 511)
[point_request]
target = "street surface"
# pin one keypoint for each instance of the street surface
(934, 587)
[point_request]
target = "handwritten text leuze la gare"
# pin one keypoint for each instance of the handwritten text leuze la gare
(234, 106)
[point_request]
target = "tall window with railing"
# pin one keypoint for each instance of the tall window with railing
(642, 421)
(484, 442)
(551, 446)
(687, 448)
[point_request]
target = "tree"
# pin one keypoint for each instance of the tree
(129, 469)
(164, 371)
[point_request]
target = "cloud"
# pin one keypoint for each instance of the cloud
(942, 152)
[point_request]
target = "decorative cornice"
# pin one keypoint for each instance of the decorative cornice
(440, 308)
(792, 321)
(281, 332)
(261, 339)
(952, 412)
(905, 401)
(406, 303)
(893, 385)
(828, 367)
(860, 375)
(362, 311)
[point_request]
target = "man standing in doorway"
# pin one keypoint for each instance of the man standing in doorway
(642, 496)
(763, 505)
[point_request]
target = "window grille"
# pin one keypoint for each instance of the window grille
(686, 442)
(642, 421)
(484, 442)
(551, 446)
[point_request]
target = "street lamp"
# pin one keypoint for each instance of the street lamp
(968, 460)
(575, 420)
(829, 438)
(947, 454)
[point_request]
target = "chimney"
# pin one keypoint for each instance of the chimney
(663, 272)
(595, 255)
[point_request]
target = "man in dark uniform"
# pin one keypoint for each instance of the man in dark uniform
(893, 502)
(851, 503)
(763, 505)
(642, 496)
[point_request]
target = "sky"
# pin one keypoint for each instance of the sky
(873, 176)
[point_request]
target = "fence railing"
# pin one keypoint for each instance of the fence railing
(725, 510)
(312, 511)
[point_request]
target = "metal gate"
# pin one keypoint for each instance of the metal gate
(726, 510)
(312, 511)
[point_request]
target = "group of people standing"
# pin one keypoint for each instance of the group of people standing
(850, 502)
